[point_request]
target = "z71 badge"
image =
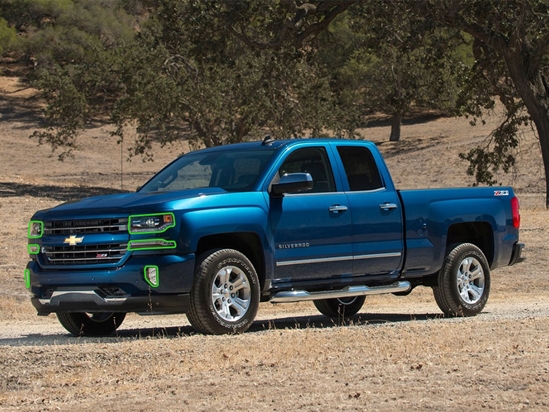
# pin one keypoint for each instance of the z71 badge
(501, 193)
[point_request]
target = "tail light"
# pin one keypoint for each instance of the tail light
(515, 211)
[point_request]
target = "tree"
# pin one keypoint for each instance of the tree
(7, 35)
(512, 50)
(511, 47)
(191, 78)
(186, 76)
(227, 91)
(385, 60)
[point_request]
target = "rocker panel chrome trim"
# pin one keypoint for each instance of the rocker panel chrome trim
(349, 291)
(338, 259)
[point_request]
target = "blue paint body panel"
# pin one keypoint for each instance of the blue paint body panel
(322, 239)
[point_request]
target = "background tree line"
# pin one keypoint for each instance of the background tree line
(217, 72)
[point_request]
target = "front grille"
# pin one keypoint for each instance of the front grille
(84, 255)
(83, 226)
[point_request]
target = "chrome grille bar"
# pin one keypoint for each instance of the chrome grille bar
(83, 226)
(89, 254)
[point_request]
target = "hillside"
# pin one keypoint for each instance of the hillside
(426, 156)
(398, 353)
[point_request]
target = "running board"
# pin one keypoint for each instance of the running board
(349, 291)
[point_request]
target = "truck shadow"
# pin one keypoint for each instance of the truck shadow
(323, 322)
(288, 323)
(259, 326)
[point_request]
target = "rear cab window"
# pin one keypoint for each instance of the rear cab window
(360, 168)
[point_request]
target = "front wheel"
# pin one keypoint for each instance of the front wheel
(340, 308)
(90, 324)
(225, 294)
(463, 282)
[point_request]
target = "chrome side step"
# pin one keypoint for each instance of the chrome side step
(349, 291)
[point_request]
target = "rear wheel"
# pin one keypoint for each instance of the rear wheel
(225, 293)
(339, 308)
(90, 324)
(463, 282)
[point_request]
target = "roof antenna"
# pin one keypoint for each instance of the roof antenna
(267, 141)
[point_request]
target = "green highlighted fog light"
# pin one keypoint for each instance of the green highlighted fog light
(152, 275)
(27, 278)
(36, 229)
(151, 223)
(33, 249)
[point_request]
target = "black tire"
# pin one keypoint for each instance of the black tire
(463, 282)
(90, 324)
(340, 308)
(225, 294)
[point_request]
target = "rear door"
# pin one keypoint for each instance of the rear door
(376, 214)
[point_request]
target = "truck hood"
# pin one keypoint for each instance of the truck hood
(129, 202)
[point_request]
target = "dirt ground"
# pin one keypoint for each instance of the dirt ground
(399, 353)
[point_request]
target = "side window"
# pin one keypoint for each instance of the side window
(360, 168)
(315, 162)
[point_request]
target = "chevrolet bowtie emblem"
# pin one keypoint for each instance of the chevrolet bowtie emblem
(73, 240)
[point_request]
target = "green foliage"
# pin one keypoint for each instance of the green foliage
(70, 45)
(194, 72)
(217, 72)
(7, 35)
(386, 58)
(497, 151)
(511, 49)
(28, 14)
(65, 112)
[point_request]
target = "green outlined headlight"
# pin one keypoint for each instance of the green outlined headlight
(151, 223)
(36, 229)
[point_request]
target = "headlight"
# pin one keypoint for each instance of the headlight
(36, 229)
(152, 223)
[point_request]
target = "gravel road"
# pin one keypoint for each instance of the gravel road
(44, 331)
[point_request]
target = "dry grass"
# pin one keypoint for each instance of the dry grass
(430, 365)
(398, 354)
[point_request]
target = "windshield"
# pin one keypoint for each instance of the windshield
(234, 171)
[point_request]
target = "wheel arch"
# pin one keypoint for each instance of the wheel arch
(247, 243)
(480, 234)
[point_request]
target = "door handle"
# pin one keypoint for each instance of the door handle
(387, 206)
(337, 208)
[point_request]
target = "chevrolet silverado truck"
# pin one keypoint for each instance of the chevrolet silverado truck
(220, 230)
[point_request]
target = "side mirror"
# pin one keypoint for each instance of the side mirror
(292, 183)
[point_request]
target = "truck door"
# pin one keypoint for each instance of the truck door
(376, 214)
(312, 230)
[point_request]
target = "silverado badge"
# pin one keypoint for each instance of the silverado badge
(73, 240)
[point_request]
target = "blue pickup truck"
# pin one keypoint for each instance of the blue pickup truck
(219, 230)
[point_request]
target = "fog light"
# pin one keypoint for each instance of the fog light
(152, 276)
(33, 249)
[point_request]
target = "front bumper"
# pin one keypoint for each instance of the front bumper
(90, 299)
(122, 289)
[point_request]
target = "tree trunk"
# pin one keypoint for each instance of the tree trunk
(536, 99)
(540, 116)
(396, 122)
